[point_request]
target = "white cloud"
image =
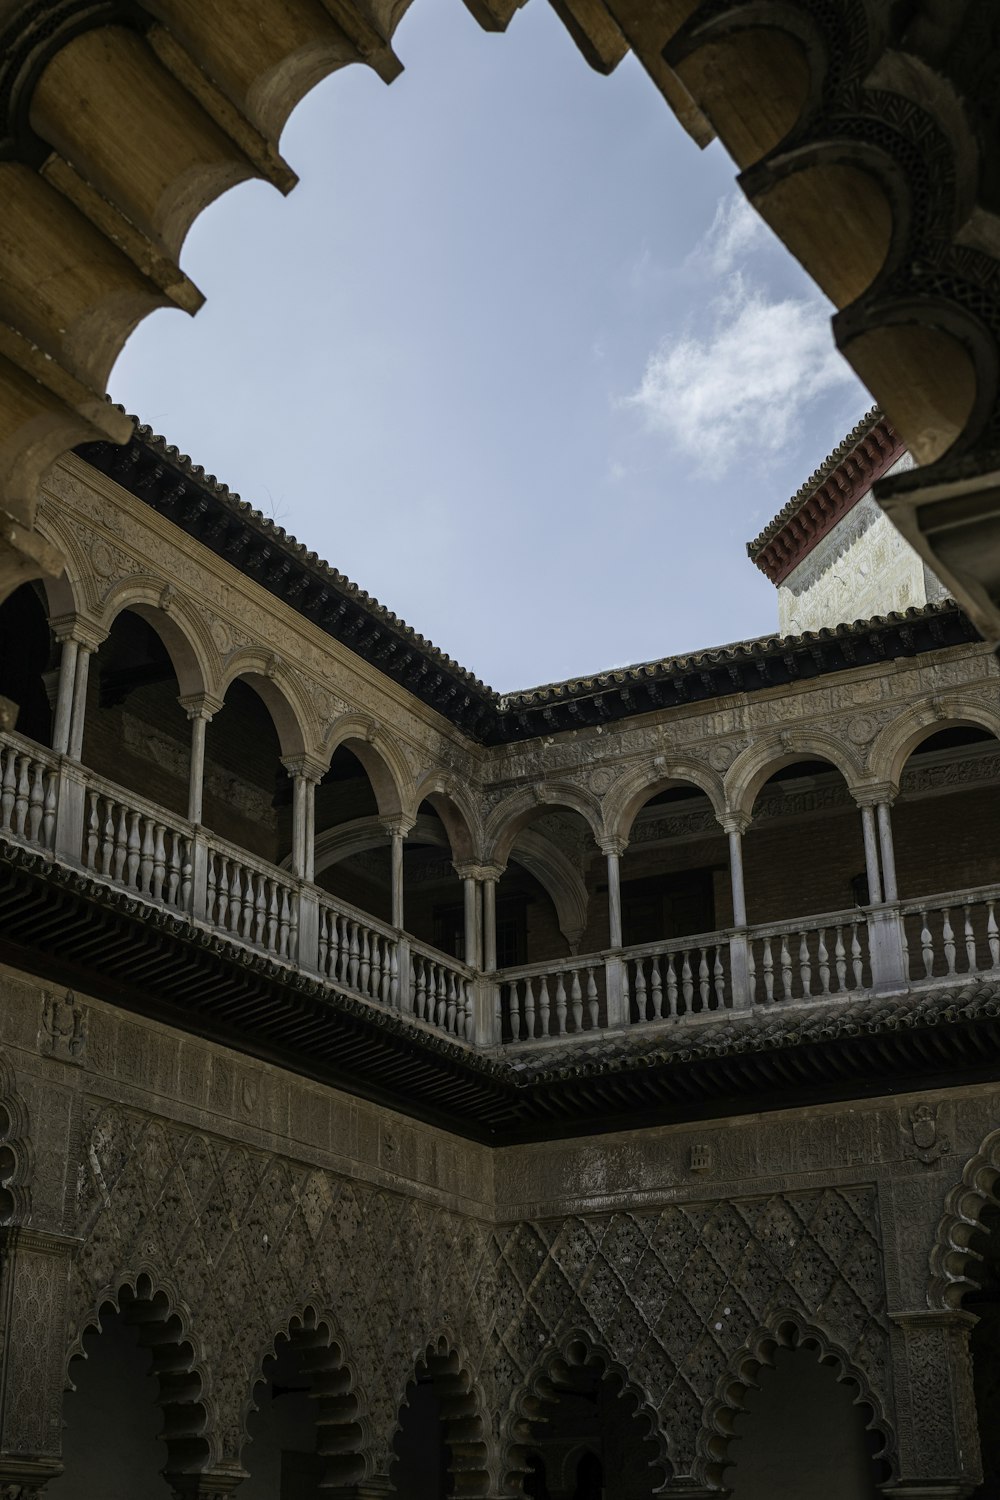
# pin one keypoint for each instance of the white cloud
(737, 393)
(734, 232)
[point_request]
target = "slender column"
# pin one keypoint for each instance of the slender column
(613, 850)
(298, 823)
(309, 852)
(736, 825)
(397, 828)
(871, 853)
(200, 709)
(306, 775)
(79, 710)
(491, 876)
(64, 694)
(887, 850)
(470, 891)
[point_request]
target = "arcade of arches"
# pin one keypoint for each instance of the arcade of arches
(586, 1094)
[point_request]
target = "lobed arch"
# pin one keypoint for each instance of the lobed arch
(280, 692)
(895, 744)
(629, 795)
(383, 761)
(16, 1155)
(342, 1430)
(953, 1260)
(506, 821)
(190, 1429)
(578, 1350)
(463, 1417)
(770, 753)
(785, 1330)
(177, 623)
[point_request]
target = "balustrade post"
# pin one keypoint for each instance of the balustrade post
(613, 849)
(614, 981)
(486, 1011)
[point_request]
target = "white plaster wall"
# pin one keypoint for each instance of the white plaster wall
(862, 568)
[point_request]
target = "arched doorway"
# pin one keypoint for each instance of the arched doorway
(589, 1437)
(133, 1413)
(803, 1435)
(439, 1445)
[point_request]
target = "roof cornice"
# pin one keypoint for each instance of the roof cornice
(843, 479)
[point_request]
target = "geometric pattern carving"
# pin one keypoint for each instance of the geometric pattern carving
(247, 1240)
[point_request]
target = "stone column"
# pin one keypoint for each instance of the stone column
(613, 849)
(871, 853)
(891, 892)
(64, 692)
(306, 775)
(735, 825)
(490, 876)
(397, 828)
(200, 709)
(34, 1287)
(469, 874)
(79, 710)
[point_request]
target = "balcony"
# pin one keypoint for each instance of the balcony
(81, 821)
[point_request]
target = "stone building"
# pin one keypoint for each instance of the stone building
(408, 1090)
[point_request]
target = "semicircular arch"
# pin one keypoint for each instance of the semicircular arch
(903, 735)
(528, 803)
(758, 763)
(629, 795)
(281, 693)
(186, 640)
(380, 756)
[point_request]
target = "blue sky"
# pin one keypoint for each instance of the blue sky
(514, 355)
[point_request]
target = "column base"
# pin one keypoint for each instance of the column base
(26, 1478)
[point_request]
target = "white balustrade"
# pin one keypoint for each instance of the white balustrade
(134, 845)
(250, 901)
(682, 978)
(440, 993)
(29, 790)
(952, 935)
(811, 960)
(357, 956)
(553, 1001)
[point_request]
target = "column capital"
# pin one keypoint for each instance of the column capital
(23, 1478)
(399, 823)
(735, 822)
(75, 627)
(467, 869)
(871, 795)
(306, 766)
(491, 872)
(200, 705)
(613, 845)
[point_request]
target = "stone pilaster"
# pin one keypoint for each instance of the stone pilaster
(935, 1404)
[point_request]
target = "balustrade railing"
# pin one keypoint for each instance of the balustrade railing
(29, 791)
(358, 956)
(440, 992)
(554, 1000)
(954, 934)
(132, 843)
(810, 960)
(678, 978)
(251, 900)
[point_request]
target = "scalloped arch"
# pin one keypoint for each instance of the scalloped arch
(343, 1431)
(16, 1156)
(952, 1258)
(786, 1330)
(462, 1414)
(578, 1349)
(190, 1429)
